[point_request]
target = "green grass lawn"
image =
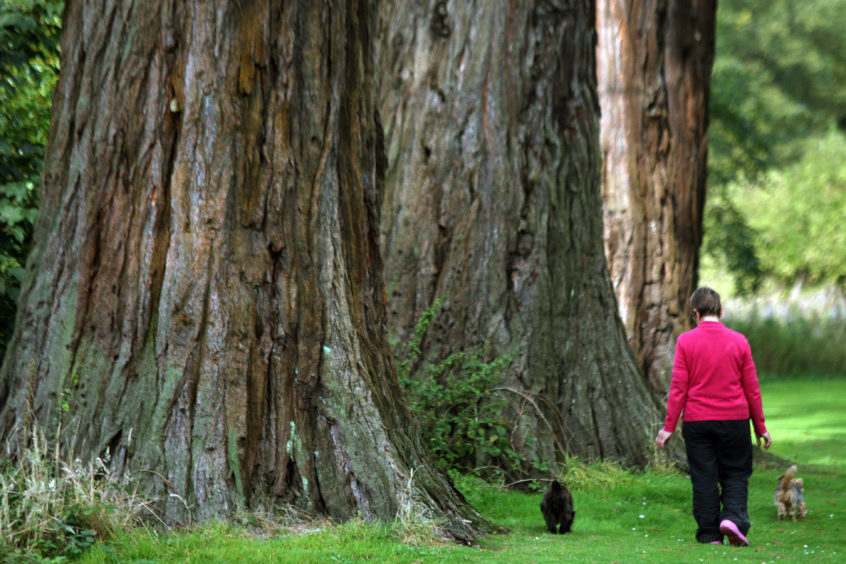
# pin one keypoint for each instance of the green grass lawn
(620, 516)
(807, 420)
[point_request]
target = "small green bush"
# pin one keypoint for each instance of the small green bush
(457, 407)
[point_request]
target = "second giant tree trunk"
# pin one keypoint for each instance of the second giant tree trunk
(654, 69)
(205, 297)
(493, 203)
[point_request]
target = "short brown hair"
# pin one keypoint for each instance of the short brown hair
(705, 301)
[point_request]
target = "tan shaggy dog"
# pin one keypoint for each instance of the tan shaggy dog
(789, 496)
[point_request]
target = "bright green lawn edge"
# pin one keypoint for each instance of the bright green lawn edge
(620, 516)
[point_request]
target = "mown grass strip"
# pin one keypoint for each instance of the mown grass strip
(621, 516)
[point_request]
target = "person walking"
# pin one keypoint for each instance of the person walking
(714, 388)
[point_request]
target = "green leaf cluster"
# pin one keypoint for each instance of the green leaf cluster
(29, 68)
(799, 212)
(457, 406)
(778, 116)
(460, 414)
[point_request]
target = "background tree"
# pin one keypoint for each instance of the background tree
(776, 110)
(493, 204)
(29, 66)
(795, 214)
(204, 299)
(654, 63)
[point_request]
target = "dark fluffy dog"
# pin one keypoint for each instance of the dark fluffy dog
(557, 507)
(789, 498)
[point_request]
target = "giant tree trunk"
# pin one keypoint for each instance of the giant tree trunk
(206, 291)
(493, 203)
(654, 62)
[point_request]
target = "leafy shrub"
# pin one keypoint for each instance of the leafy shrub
(457, 406)
(29, 69)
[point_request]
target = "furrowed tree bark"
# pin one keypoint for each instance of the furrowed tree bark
(493, 203)
(654, 62)
(205, 296)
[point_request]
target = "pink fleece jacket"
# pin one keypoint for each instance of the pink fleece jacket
(714, 378)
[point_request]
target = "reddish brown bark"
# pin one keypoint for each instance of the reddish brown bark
(654, 68)
(206, 287)
(493, 203)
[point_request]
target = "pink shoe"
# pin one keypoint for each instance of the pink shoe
(734, 535)
(716, 542)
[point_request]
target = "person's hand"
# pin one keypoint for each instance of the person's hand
(767, 440)
(662, 438)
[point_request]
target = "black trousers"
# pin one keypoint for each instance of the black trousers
(720, 457)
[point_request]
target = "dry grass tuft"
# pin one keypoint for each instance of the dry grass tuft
(57, 508)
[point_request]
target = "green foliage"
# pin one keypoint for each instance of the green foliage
(797, 213)
(460, 416)
(457, 407)
(773, 108)
(731, 242)
(774, 69)
(29, 61)
(17, 216)
(751, 119)
(787, 226)
(29, 30)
